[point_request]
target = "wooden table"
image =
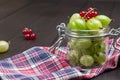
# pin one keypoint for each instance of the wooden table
(43, 16)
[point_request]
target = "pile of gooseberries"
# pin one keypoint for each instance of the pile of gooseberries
(87, 52)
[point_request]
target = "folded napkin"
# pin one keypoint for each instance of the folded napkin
(38, 63)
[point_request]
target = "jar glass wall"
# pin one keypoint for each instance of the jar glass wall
(86, 48)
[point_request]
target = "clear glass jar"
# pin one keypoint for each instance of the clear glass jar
(86, 48)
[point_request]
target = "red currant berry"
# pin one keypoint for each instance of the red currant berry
(30, 31)
(27, 36)
(95, 13)
(91, 14)
(82, 14)
(87, 18)
(25, 31)
(33, 36)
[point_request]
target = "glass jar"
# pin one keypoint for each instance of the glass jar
(86, 48)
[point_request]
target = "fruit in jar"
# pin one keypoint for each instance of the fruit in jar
(73, 57)
(94, 24)
(83, 43)
(90, 13)
(78, 24)
(4, 46)
(105, 20)
(99, 47)
(80, 43)
(100, 57)
(72, 43)
(91, 50)
(72, 18)
(86, 60)
(88, 20)
(75, 16)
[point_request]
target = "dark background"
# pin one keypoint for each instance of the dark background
(42, 16)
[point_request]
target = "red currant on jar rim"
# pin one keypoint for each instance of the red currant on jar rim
(82, 14)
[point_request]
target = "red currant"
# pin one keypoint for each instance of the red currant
(87, 18)
(27, 36)
(82, 14)
(30, 31)
(27, 31)
(95, 13)
(33, 36)
(91, 14)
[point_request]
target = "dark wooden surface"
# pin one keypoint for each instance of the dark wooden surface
(43, 16)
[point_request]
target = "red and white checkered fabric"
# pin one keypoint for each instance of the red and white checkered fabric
(37, 63)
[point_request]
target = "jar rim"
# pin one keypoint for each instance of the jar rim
(72, 33)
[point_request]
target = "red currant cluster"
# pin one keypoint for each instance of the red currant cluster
(90, 13)
(28, 34)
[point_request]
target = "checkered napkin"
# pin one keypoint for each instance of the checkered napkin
(37, 63)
